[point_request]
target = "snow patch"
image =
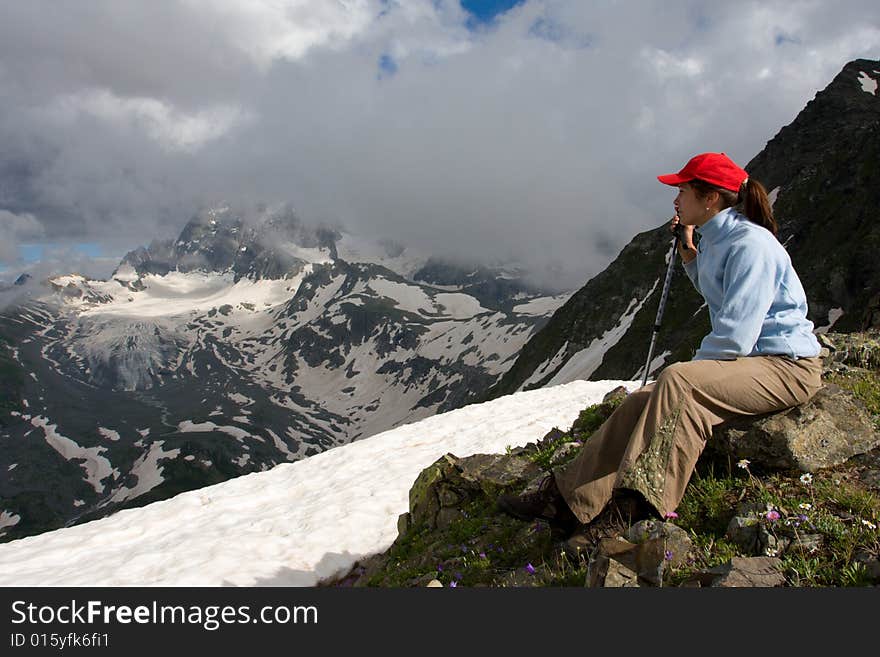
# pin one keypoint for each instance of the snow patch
(459, 306)
(109, 433)
(148, 473)
(410, 298)
(97, 467)
(546, 367)
(585, 362)
(239, 434)
(240, 399)
(868, 83)
(833, 315)
(652, 366)
(8, 519)
(542, 305)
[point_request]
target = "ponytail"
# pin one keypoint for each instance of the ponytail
(756, 205)
(752, 201)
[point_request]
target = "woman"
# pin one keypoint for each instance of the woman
(760, 356)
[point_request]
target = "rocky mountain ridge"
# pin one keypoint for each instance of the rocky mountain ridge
(249, 341)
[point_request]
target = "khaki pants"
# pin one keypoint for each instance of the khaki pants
(652, 441)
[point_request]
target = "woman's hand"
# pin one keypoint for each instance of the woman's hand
(686, 248)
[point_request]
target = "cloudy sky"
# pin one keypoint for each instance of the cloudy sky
(493, 130)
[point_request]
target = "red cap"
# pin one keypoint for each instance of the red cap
(715, 168)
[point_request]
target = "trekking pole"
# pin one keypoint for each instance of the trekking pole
(665, 293)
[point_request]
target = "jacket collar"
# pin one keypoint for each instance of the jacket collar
(719, 225)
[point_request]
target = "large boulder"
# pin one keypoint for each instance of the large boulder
(742, 572)
(442, 489)
(825, 431)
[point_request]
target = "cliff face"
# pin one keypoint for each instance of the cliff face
(826, 165)
(822, 172)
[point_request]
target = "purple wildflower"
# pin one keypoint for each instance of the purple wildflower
(668, 555)
(482, 555)
(772, 516)
(530, 568)
(453, 584)
(439, 567)
(671, 514)
(457, 576)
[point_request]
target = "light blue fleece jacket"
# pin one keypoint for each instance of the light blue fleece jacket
(757, 305)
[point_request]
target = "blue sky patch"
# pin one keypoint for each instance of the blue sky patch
(34, 252)
(387, 66)
(485, 11)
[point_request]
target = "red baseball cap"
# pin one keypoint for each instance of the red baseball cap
(715, 168)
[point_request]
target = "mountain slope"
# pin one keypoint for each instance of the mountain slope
(245, 343)
(823, 174)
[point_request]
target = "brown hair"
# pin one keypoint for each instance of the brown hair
(752, 200)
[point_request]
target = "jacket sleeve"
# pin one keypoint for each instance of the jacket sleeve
(749, 287)
(693, 272)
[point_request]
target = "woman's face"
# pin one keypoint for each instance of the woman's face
(691, 210)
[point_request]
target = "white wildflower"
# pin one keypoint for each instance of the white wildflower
(806, 478)
(743, 463)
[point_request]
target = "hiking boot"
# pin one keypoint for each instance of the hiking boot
(631, 505)
(546, 503)
(624, 510)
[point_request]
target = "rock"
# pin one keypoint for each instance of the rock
(871, 478)
(551, 436)
(564, 453)
(619, 393)
(677, 545)
(806, 542)
(619, 576)
(423, 503)
(754, 534)
(748, 571)
(854, 349)
(445, 487)
(825, 431)
(743, 532)
(627, 563)
(404, 522)
(491, 473)
(871, 564)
